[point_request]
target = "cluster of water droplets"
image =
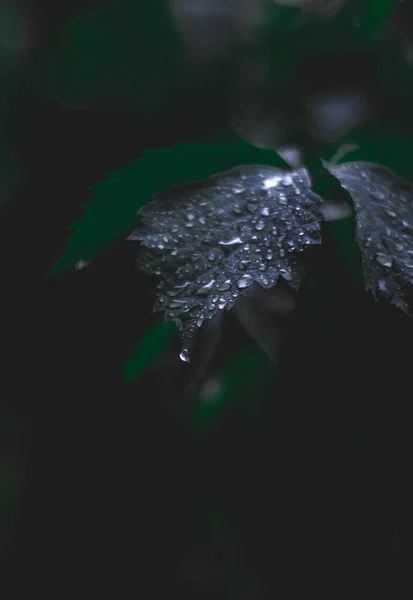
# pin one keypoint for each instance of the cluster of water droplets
(210, 243)
(384, 210)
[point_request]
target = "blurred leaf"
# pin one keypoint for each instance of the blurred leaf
(211, 242)
(147, 351)
(114, 210)
(375, 14)
(242, 382)
(384, 218)
(125, 50)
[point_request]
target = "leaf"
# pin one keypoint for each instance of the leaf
(246, 376)
(384, 226)
(114, 210)
(210, 243)
(147, 351)
(123, 52)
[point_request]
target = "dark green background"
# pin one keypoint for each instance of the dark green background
(295, 477)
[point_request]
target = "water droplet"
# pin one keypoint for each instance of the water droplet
(161, 246)
(184, 355)
(382, 286)
(262, 267)
(81, 264)
(174, 252)
(222, 305)
(177, 304)
(232, 242)
(202, 220)
(190, 216)
(265, 211)
(399, 247)
(243, 264)
(286, 274)
(211, 256)
(244, 282)
(274, 231)
(211, 307)
(174, 228)
(389, 212)
(189, 224)
(281, 253)
(276, 180)
(239, 190)
(260, 225)
(269, 255)
(199, 322)
(165, 238)
(224, 285)
(384, 260)
(205, 289)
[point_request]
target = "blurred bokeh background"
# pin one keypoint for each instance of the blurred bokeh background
(279, 462)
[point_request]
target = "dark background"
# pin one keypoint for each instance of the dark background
(288, 478)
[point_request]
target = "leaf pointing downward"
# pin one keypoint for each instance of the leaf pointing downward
(209, 243)
(384, 217)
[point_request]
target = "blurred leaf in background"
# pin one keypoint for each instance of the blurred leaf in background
(239, 387)
(148, 350)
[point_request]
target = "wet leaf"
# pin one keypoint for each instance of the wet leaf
(209, 243)
(384, 227)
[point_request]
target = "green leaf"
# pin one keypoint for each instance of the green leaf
(126, 51)
(242, 383)
(375, 15)
(113, 211)
(147, 350)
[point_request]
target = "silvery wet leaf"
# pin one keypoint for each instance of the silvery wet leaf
(209, 242)
(384, 217)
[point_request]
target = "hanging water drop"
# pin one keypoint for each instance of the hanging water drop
(184, 355)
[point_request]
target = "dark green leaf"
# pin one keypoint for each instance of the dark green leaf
(147, 350)
(114, 209)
